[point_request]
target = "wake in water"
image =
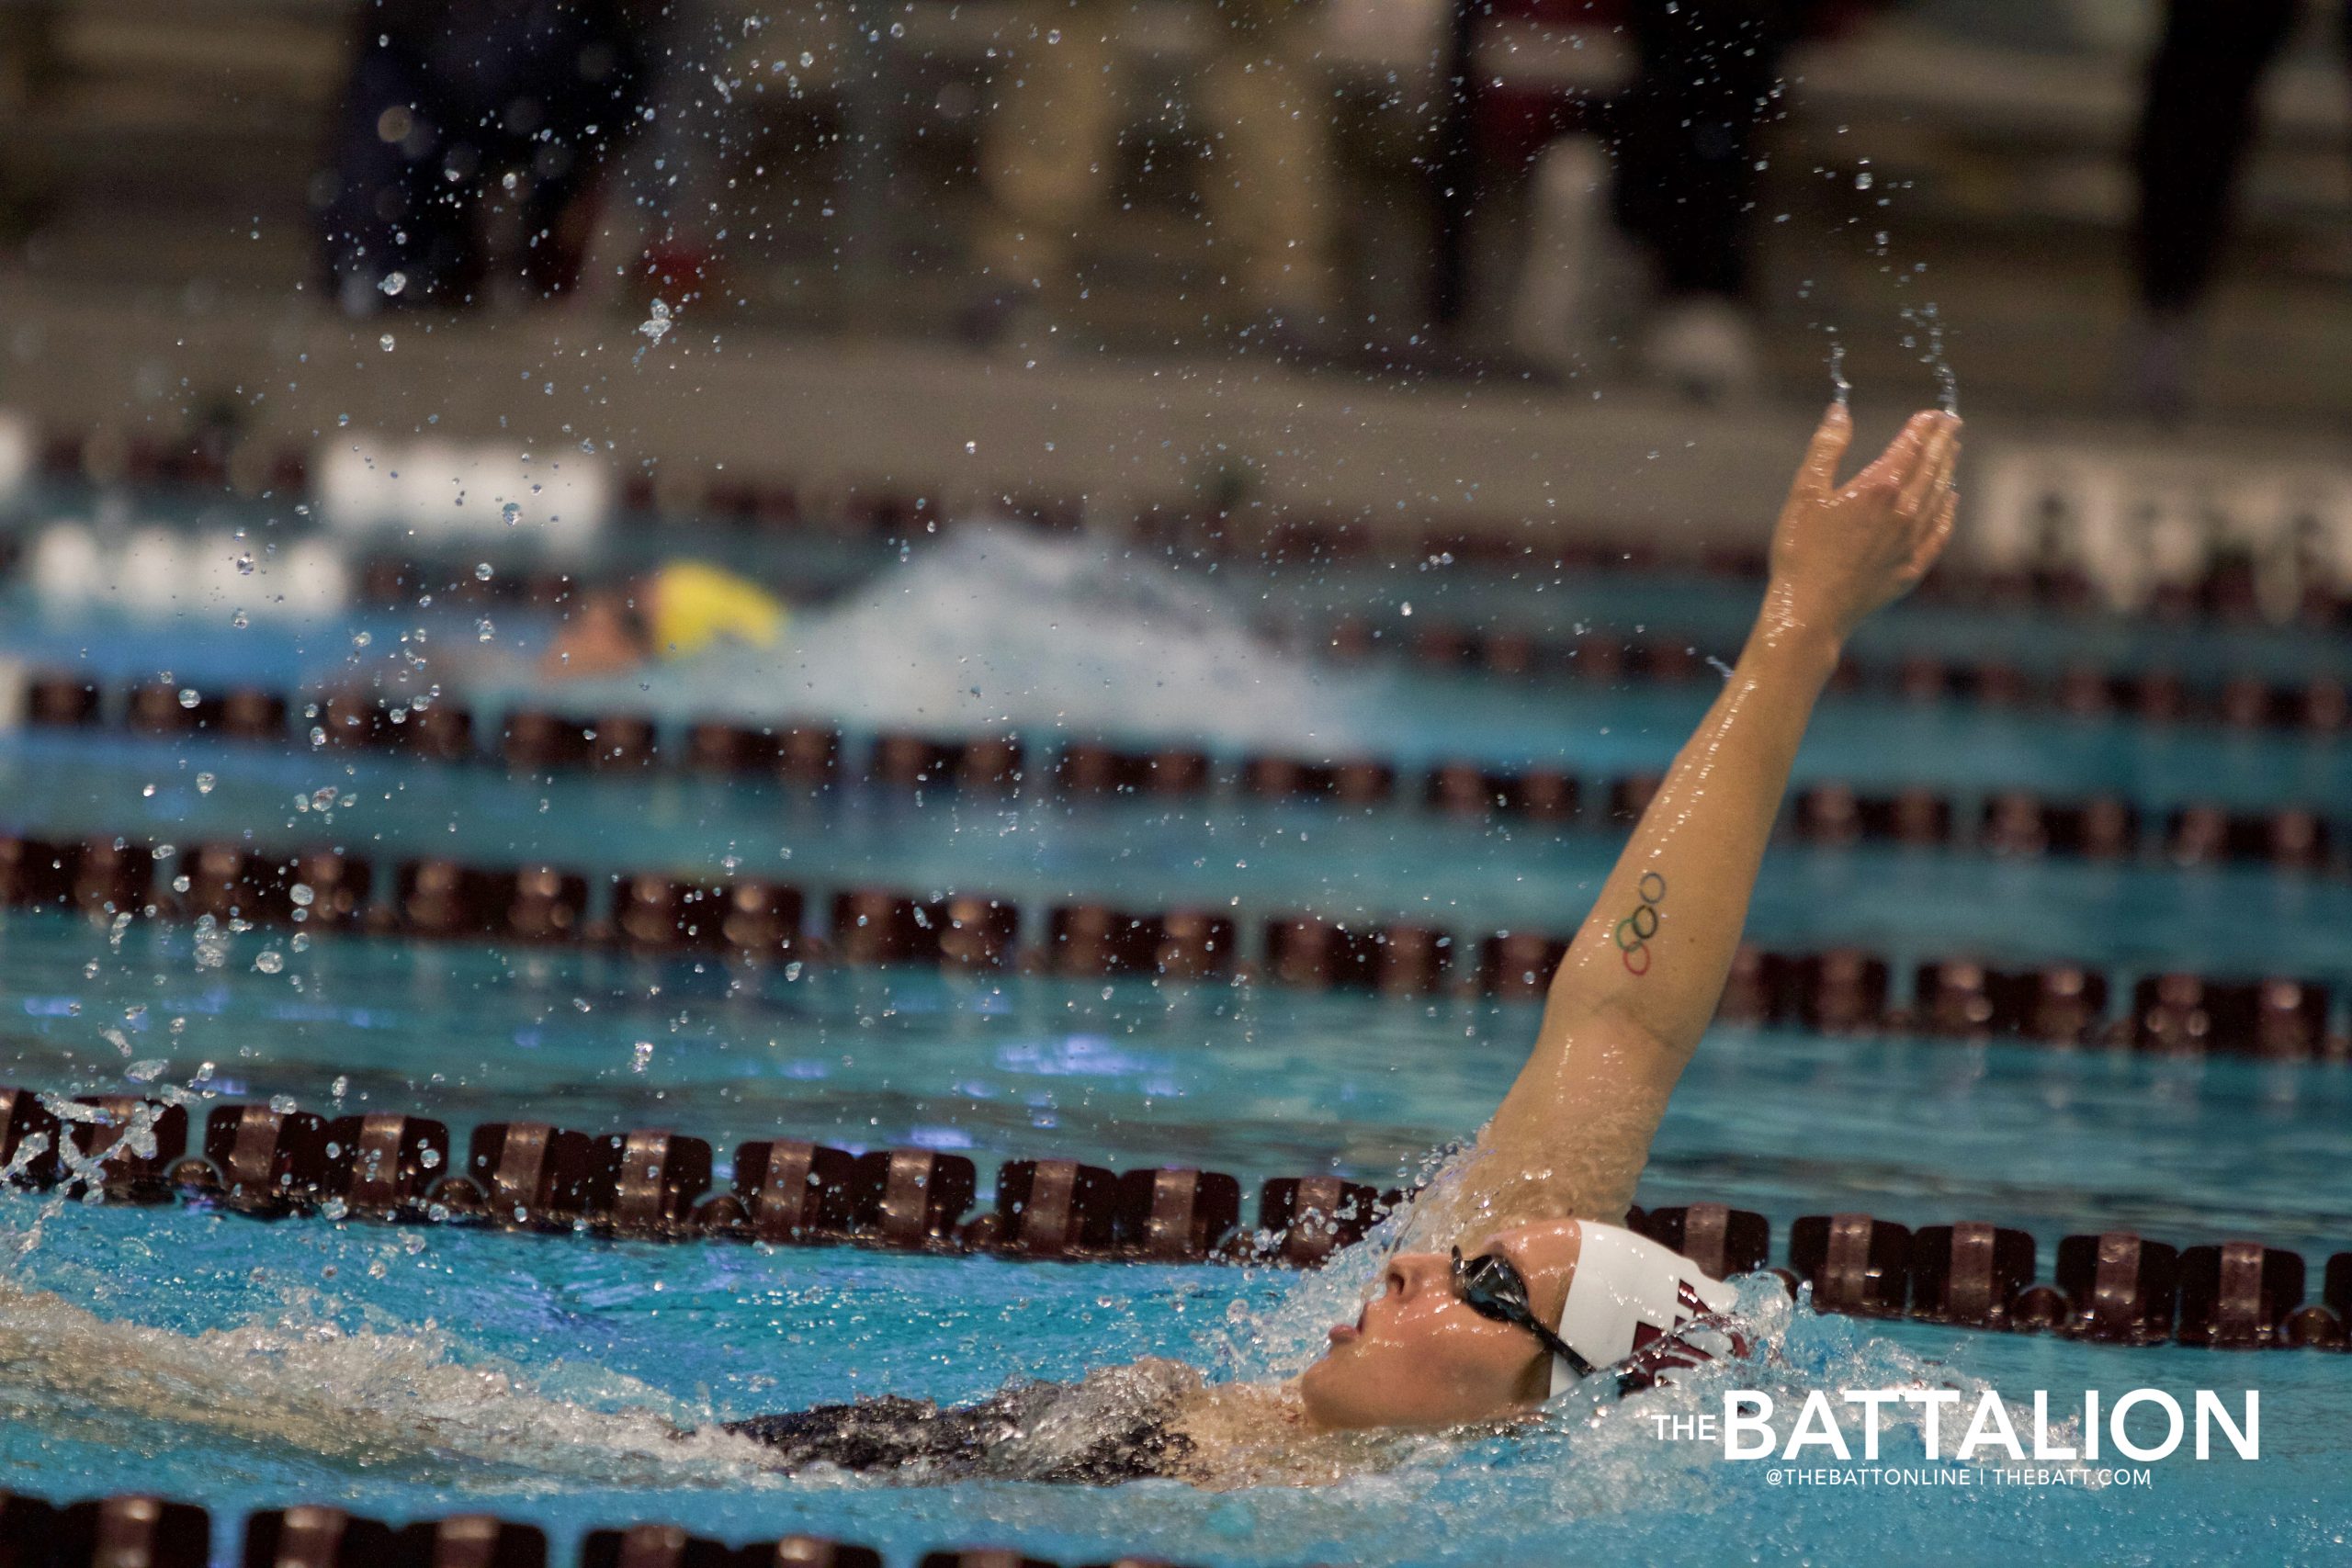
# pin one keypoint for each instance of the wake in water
(418, 1400)
(401, 1398)
(995, 627)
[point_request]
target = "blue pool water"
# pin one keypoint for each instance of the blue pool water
(535, 1376)
(410, 1373)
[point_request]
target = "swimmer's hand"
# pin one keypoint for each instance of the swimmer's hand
(1841, 552)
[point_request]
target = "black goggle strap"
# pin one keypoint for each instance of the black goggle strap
(1490, 1286)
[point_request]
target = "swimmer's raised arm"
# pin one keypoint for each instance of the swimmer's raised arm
(1642, 979)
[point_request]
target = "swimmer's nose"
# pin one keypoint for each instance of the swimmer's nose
(1410, 1273)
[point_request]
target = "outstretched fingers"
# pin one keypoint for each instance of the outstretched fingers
(1924, 486)
(1932, 545)
(1890, 468)
(1826, 450)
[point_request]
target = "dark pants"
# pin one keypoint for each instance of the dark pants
(1684, 134)
(445, 99)
(2199, 119)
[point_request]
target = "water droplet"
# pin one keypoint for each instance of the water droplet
(1864, 180)
(204, 783)
(188, 698)
(482, 572)
(302, 894)
(512, 511)
(387, 341)
(240, 620)
(269, 962)
(656, 326)
(484, 631)
(393, 282)
(284, 1104)
(147, 791)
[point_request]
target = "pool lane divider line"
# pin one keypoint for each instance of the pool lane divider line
(773, 506)
(540, 743)
(145, 1531)
(1839, 991)
(275, 1160)
(2083, 690)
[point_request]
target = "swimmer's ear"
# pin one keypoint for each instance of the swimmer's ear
(1819, 475)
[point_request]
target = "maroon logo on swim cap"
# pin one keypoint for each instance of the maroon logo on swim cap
(1659, 1349)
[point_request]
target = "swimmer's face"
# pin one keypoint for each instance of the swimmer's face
(1421, 1357)
(606, 617)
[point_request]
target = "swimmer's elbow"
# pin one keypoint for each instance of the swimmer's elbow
(1620, 1030)
(1645, 1037)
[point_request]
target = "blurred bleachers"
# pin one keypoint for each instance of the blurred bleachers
(158, 160)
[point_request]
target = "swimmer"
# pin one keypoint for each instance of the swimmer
(676, 611)
(1531, 1283)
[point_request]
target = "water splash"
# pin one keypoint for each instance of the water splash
(1947, 381)
(656, 326)
(27, 1151)
(406, 1396)
(1924, 321)
(997, 626)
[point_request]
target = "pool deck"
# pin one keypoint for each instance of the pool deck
(845, 427)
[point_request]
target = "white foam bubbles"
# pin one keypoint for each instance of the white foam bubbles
(997, 626)
(408, 1395)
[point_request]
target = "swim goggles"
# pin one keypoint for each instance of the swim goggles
(1492, 1286)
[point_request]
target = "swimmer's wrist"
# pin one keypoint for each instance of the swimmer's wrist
(1797, 647)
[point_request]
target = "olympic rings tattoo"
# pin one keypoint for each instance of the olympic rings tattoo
(1632, 933)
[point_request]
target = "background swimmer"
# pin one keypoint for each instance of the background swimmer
(676, 611)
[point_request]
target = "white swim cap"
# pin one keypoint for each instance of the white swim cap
(1627, 1293)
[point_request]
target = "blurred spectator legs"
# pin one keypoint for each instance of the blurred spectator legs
(1270, 181)
(454, 113)
(2194, 131)
(1048, 158)
(665, 212)
(1686, 175)
(28, 65)
(27, 49)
